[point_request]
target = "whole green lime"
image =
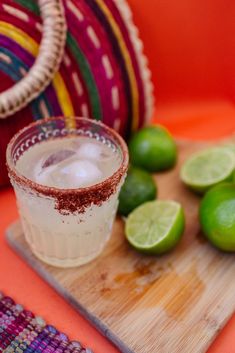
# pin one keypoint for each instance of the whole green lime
(138, 188)
(217, 216)
(153, 149)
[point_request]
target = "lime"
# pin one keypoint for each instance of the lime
(207, 168)
(153, 148)
(155, 227)
(230, 146)
(138, 188)
(217, 216)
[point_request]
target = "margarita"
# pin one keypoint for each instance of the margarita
(67, 183)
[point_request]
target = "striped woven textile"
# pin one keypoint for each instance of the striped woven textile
(23, 332)
(103, 75)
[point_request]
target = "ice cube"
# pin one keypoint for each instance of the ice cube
(44, 176)
(94, 151)
(89, 150)
(47, 164)
(57, 157)
(77, 174)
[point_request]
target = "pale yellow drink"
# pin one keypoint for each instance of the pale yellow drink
(70, 162)
(68, 222)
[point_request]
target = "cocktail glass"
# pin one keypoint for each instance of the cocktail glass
(66, 227)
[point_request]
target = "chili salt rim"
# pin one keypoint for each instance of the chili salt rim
(72, 200)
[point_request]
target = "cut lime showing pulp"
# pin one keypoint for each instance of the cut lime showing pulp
(230, 146)
(155, 227)
(208, 168)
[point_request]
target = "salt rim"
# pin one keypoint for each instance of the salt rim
(69, 201)
(142, 60)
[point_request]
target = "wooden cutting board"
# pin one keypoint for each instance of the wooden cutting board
(169, 304)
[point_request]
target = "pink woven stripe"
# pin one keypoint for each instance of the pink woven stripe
(68, 72)
(126, 36)
(29, 27)
(94, 56)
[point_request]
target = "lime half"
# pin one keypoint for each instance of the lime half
(155, 227)
(230, 146)
(208, 168)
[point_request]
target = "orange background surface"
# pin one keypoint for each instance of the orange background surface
(191, 49)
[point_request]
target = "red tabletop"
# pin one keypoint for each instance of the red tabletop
(191, 49)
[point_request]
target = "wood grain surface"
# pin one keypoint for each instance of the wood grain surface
(168, 304)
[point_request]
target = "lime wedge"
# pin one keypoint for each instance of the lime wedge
(208, 168)
(230, 146)
(155, 227)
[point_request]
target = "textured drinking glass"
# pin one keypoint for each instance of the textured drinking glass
(66, 227)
